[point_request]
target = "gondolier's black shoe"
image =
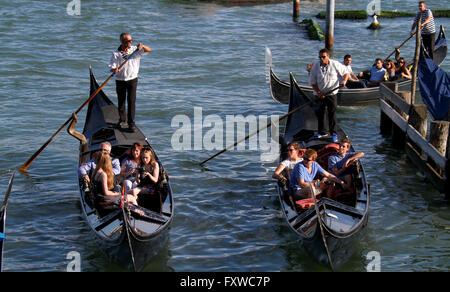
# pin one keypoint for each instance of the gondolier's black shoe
(132, 127)
(120, 123)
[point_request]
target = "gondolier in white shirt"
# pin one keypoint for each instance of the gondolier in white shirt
(127, 77)
(324, 77)
(427, 26)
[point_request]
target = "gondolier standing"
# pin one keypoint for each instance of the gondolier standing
(127, 77)
(324, 77)
(427, 26)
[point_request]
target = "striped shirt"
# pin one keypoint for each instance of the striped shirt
(429, 28)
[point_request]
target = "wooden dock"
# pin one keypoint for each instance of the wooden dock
(408, 123)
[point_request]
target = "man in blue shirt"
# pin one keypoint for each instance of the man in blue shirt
(377, 73)
(339, 163)
(85, 169)
(303, 174)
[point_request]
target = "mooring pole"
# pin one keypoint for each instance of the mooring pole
(296, 9)
(329, 34)
(416, 62)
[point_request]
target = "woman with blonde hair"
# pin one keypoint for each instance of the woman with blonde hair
(103, 183)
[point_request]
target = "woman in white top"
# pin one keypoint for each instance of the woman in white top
(288, 164)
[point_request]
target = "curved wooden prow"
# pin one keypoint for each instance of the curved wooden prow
(80, 137)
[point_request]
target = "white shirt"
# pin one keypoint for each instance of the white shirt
(131, 69)
(349, 71)
(327, 77)
(289, 165)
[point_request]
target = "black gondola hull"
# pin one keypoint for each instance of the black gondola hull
(344, 223)
(134, 244)
(118, 249)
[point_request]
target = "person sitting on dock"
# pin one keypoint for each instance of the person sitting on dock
(294, 156)
(377, 73)
(85, 169)
(303, 177)
(339, 163)
(129, 165)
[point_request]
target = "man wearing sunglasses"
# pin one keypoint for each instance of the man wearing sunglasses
(324, 79)
(303, 177)
(127, 77)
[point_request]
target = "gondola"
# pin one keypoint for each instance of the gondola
(345, 218)
(279, 89)
(130, 236)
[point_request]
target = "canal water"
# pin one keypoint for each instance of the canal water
(210, 57)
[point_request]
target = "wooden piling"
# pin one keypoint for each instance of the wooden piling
(398, 137)
(406, 96)
(418, 118)
(393, 86)
(430, 156)
(385, 124)
(439, 135)
(296, 9)
(416, 62)
(447, 181)
(329, 34)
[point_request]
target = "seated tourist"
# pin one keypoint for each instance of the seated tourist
(85, 169)
(105, 193)
(390, 70)
(129, 165)
(339, 163)
(303, 177)
(353, 81)
(376, 72)
(287, 165)
(401, 71)
(147, 175)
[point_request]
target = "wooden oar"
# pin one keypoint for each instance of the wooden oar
(321, 223)
(268, 125)
(35, 155)
(3, 218)
(404, 42)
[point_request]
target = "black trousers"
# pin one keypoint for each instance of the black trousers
(428, 43)
(126, 90)
(330, 103)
